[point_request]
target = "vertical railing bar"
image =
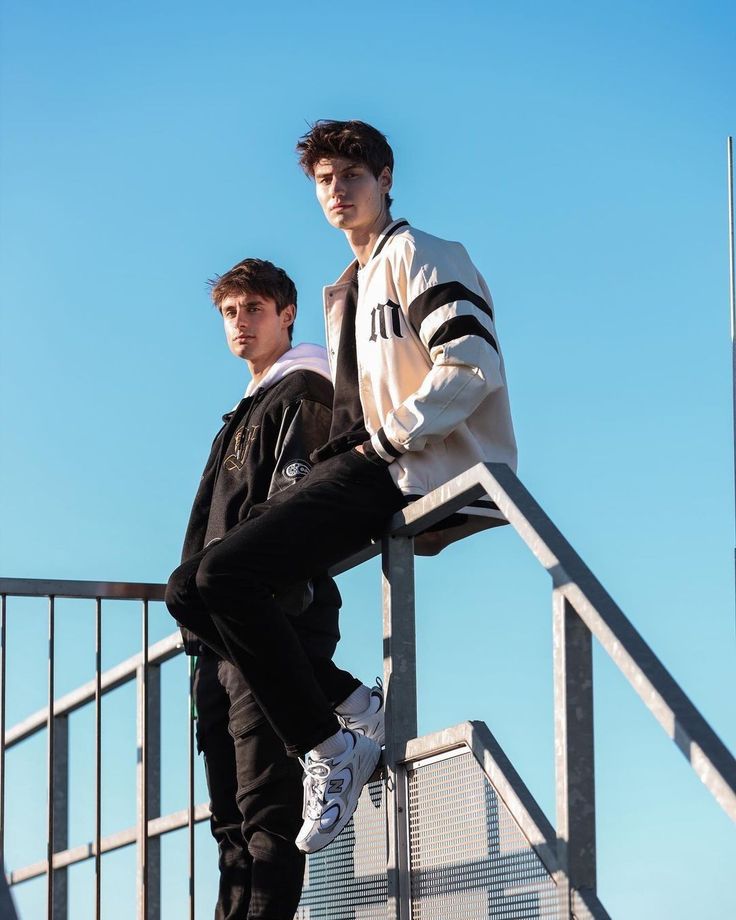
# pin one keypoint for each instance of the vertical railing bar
(98, 757)
(191, 711)
(399, 675)
(50, 766)
(732, 296)
(143, 817)
(574, 753)
(3, 624)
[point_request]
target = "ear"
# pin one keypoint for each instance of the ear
(287, 316)
(385, 180)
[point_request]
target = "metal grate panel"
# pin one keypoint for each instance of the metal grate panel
(347, 880)
(469, 858)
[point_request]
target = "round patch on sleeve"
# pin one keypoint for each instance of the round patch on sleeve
(297, 469)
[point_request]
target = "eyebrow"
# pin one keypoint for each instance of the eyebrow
(249, 301)
(323, 170)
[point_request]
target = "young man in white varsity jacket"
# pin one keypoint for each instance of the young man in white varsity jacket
(420, 396)
(262, 448)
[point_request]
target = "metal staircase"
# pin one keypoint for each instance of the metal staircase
(488, 851)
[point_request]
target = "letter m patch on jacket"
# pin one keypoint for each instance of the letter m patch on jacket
(335, 786)
(385, 321)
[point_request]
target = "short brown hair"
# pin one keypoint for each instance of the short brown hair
(354, 140)
(255, 276)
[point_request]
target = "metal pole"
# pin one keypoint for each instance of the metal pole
(3, 624)
(400, 683)
(98, 756)
(50, 769)
(732, 299)
(143, 771)
(61, 814)
(191, 711)
(574, 757)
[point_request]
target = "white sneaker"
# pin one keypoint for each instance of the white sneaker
(372, 721)
(332, 788)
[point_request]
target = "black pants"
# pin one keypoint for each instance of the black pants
(255, 799)
(255, 788)
(298, 534)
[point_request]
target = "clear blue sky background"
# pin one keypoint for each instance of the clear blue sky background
(578, 150)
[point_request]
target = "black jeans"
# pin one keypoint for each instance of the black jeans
(255, 788)
(255, 798)
(298, 534)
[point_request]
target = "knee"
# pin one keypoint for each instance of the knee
(178, 590)
(220, 578)
(209, 581)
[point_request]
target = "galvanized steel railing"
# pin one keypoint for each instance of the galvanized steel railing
(144, 669)
(581, 610)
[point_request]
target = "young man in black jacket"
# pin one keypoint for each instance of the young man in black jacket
(263, 448)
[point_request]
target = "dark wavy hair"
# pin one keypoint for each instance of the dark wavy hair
(354, 140)
(255, 276)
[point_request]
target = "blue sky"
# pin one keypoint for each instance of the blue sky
(578, 151)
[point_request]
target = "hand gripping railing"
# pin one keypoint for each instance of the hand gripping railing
(582, 609)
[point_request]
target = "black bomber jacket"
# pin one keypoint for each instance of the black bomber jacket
(263, 447)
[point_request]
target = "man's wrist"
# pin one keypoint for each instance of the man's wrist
(383, 447)
(370, 453)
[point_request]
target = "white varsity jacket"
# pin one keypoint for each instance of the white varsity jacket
(431, 374)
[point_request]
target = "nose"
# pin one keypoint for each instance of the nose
(338, 187)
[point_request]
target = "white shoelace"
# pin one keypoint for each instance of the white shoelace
(315, 780)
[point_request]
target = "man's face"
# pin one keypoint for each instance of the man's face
(352, 198)
(254, 330)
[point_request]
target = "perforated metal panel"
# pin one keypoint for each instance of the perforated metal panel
(347, 880)
(469, 859)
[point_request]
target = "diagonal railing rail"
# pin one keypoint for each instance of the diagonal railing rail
(582, 610)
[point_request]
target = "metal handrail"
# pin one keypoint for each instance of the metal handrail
(156, 828)
(144, 669)
(582, 610)
(110, 680)
(573, 580)
(89, 590)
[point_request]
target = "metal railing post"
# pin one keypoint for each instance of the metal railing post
(574, 757)
(50, 768)
(61, 815)
(149, 781)
(153, 745)
(190, 790)
(98, 758)
(3, 640)
(400, 683)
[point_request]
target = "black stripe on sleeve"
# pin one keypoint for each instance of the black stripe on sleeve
(372, 454)
(386, 444)
(439, 296)
(401, 223)
(459, 326)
